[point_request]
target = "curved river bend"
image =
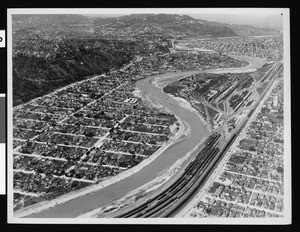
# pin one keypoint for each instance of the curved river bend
(94, 200)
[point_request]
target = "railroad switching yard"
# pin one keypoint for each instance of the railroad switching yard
(251, 184)
(231, 93)
(85, 133)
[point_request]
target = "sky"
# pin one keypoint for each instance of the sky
(126, 11)
(252, 16)
(258, 20)
(189, 11)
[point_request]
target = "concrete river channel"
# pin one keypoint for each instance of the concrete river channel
(88, 202)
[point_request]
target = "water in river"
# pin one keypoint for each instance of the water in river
(94, 200)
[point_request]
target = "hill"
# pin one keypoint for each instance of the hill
(50, 51)
(35, 76)
(182, 24)
(256, 23)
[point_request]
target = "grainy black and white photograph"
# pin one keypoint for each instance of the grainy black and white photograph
(126, 115)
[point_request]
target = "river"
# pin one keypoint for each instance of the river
(94, 200)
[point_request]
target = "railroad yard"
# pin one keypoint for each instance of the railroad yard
(250, 184)
(223, 99)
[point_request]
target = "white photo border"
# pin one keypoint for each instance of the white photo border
(192, 221)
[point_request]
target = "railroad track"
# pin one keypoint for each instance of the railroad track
(175, 195)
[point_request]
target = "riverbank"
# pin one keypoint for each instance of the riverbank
(129, 200)
(145, 191)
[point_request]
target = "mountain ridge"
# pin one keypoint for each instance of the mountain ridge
(184, 24)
